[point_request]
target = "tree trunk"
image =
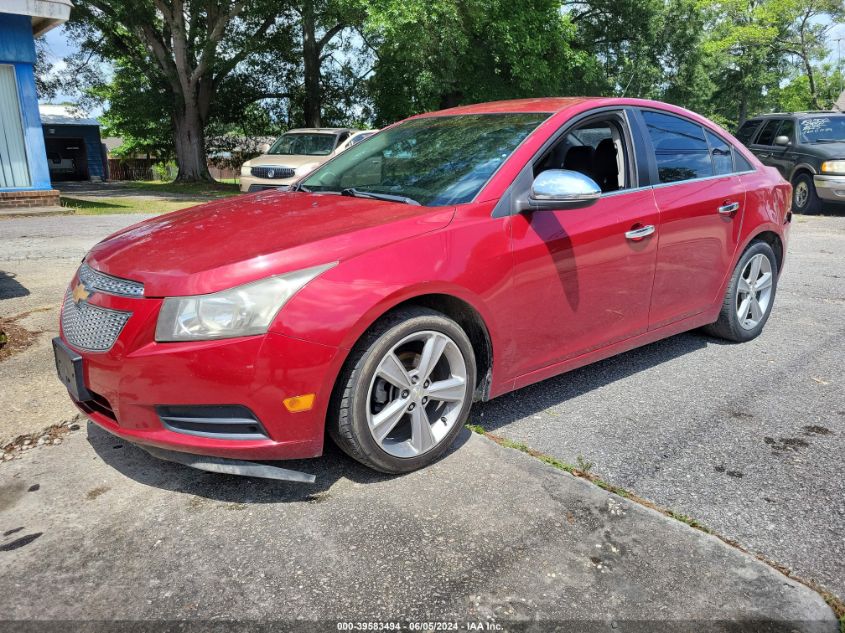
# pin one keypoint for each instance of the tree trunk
(743, 110)
(814, 95)
(189, 137)
(311, 62)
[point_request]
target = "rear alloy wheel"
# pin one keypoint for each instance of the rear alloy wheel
(406, 391)
(804, 198)
(750, 295)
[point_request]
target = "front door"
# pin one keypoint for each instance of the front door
(582, 279)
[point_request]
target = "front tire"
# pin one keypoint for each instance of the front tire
(750, 295)
(405, 391)
(804, 197)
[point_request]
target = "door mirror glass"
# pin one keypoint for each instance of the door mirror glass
(782, 140)
(562, 188)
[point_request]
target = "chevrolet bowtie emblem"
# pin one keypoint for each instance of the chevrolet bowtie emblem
(80, 293)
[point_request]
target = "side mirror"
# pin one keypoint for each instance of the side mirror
(562, 189)
(782, 140)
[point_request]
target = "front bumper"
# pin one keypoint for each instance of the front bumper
(830, 188)
(250, 184)
(137, 378)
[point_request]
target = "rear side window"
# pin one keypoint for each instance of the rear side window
(720, 154)
(746, 132)
(767, 136)
(679, 146)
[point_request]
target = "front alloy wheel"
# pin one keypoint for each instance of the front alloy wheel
(405, 391)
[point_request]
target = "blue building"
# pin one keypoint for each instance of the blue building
(74, 148)
(24, 173)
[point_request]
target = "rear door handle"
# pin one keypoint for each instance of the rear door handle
(640, 233)
(727, 209)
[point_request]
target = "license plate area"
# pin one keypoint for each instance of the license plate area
(69, 369)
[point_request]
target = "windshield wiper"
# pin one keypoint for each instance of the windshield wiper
(828, 140)
(389, 197)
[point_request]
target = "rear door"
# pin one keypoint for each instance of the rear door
(764, 145)
(700, 199)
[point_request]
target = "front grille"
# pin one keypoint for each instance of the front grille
(91, 327)
(95, 281)
(230, 422)
(272, 171)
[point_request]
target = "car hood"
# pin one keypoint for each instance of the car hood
(223, 244)
(827, 151)
(285, 160)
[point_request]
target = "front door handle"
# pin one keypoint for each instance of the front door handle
(730, 207)
(640, 233)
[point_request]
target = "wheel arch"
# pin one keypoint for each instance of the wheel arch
(801, 168)
(464, 313)
(773, 240)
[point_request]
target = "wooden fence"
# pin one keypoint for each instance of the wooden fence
(143, 169)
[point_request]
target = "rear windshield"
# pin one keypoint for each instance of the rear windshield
(822, 129)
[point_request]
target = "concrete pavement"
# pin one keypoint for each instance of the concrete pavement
(95, 529)
(748, 439)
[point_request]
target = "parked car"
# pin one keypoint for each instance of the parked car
(293, 155)
(453, 257)
(807, 148)
(60, 166)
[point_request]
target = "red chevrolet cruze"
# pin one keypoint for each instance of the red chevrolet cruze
(452, 257)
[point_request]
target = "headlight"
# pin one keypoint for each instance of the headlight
(833, 167)
(246, 170)
(240, 311)
(304, 170)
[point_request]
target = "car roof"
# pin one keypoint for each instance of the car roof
(514, 106)
(781, 115)
(320, 130)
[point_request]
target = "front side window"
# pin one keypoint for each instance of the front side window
(822, 129)
(787, 129)
(432, 160)
(767, 135)
(304, 144)
(595, 149)
(679, 146)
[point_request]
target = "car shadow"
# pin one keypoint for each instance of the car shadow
(11, 288)
(334, 465)
(535, 398)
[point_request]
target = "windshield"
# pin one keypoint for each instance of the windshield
(823, 129)
(300, 144)
(434, 160)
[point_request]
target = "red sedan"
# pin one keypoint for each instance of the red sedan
(452, 257)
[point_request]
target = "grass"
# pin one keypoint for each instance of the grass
(109, 206)
(217, 189)
(582, 470)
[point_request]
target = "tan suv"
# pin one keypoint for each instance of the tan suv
(295, 154)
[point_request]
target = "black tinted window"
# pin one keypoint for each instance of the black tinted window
(679, 146)
(746, 132)
(720, 154)
(767, 136)
(787, 129)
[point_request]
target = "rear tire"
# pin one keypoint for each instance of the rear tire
(804, 197)
(750, 295)
(405, 391)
